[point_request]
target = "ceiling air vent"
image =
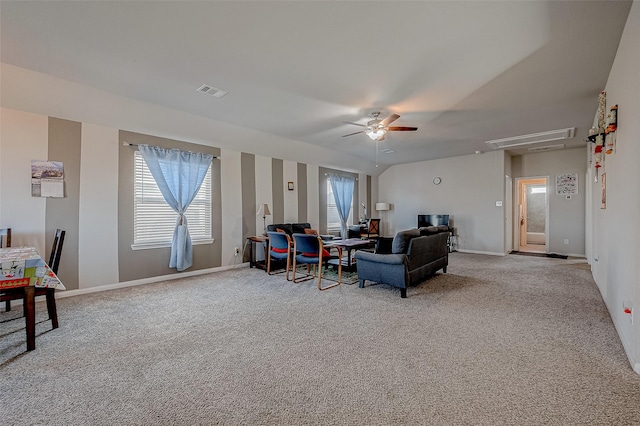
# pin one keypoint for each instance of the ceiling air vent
(209, 90)
(534, 138)
(547, 148)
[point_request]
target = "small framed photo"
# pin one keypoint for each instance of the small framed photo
(290, 186)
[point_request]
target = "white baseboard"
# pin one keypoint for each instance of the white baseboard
(625, 344)
(491, 253)
(124, 284)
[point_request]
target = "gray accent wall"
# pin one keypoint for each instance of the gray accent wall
(249, 207)
(65, 140)
(302, 193)
(139, 264)
(277, 185)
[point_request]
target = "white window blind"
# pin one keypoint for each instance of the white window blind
(155, 221)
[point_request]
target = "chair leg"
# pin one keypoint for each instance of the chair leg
(51, 307)
(293, 278)
(30, 316)
(403, 293)
(7, 305)
(269, 265)
(288, 267)
(332, 285)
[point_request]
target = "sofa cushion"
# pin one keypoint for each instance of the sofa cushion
(429, 230)
(402, 239)
(298, 228)
(443, 228)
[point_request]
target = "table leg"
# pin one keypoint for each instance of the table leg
(251, 261)
(30, 316)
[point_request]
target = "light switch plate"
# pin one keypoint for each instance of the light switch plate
(498, 203)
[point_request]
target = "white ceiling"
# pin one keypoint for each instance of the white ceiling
(463, 72)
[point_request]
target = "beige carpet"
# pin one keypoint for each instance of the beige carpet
(497, 340)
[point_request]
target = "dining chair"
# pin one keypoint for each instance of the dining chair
(5, 241)
(54, 262)
(279, 248)
(309, 249)
(372, 231)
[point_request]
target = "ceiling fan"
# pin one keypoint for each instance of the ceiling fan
(376, 129)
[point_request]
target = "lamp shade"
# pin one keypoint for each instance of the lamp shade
(382, 207)
(263, 210)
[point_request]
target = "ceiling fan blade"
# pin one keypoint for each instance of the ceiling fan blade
(390, 119)
(355, 124)
(401, 129)
(351, 134)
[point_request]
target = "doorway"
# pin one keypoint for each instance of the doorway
(533, 214)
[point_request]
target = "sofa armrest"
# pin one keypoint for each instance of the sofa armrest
(389, 259)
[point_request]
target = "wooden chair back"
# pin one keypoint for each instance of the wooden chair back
(5, 237)
(56, 250)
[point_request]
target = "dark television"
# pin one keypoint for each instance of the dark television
(433, 220)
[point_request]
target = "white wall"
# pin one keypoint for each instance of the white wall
(98, 210)
(615, 248)
(264, 193)
(23, 137)
(470, 187)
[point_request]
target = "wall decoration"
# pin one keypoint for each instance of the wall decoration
(47, 178)
(290, 186)
(567, 184)
(603, 205)
(610, 131)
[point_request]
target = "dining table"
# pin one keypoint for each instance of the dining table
(24, 268)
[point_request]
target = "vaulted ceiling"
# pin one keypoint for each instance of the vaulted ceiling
(462, 72)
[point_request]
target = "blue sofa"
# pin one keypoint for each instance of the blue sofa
(415, 255)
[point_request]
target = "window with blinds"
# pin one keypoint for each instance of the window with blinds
(333, 218)
(154, 221)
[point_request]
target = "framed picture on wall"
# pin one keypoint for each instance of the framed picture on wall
(567, 184)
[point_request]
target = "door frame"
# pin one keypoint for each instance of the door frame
(518, 194)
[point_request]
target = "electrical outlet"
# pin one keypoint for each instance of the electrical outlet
(566, 241)
(236, 251)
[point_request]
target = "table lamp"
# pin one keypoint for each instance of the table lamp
(263, 211)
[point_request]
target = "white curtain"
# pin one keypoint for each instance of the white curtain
(179, 175)
(342, 187)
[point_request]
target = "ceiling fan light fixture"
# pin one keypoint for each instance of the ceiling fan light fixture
(376, 134)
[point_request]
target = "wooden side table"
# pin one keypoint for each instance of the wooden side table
(254, 241)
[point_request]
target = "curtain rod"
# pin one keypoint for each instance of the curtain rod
(136, 145)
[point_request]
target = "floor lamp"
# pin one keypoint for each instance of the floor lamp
(263, 211)
(382, 207)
